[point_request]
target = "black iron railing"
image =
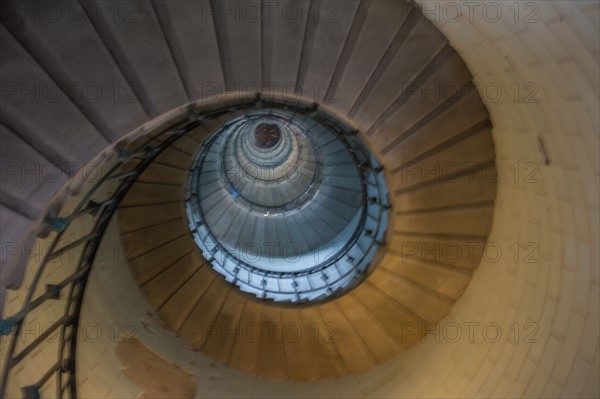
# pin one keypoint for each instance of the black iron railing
(73, 286)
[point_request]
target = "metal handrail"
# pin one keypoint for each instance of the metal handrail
(90, 241)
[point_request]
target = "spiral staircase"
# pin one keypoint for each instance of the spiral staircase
(353, 134)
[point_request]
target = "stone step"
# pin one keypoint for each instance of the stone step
(163, 286)
(139, 217)
(226, 330)
(244, 354)
(443, 281)
(195, 329)
(179, 307)
(151, 263)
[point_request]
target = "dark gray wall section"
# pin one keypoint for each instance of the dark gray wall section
(35, 106)
(28, 179)
(91, 78)
(190, 31)
(282, 38)
(378, 31)
(13, 226)
(238, 28)
(328, 25)
(134, 37)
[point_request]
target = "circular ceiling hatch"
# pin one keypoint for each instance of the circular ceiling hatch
(287, 207)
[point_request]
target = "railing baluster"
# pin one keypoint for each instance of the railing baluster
(27, 350)
(33, 391)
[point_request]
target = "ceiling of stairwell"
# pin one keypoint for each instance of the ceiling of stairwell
(409, 282)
